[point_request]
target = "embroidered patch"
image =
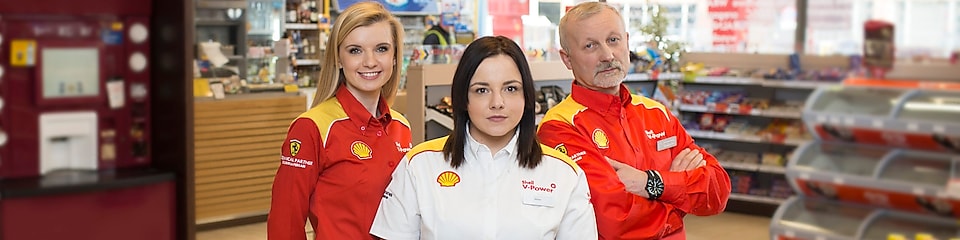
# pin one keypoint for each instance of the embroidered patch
(294, 147)
(600, 138)
(448, 179)
(361, 150)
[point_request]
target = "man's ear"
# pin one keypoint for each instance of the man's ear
(565, 58)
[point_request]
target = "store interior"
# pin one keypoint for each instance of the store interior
(835, 119)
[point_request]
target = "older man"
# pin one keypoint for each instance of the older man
(645, 172)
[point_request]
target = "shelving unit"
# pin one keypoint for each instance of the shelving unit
(759, 164)
(886, 162)
(213, 24)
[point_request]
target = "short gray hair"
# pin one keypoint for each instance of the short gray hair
(582, 11)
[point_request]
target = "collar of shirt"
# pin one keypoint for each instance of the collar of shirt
(483, 157)
(358, 113)
(602, 102)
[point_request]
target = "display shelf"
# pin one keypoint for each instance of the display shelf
(753, 167)
(902, 179)
(306, 62)
(742, 137)
(440, 118)
(302, 26)
(731, 109)
(806, 218)
(643, 77)
(753, 198)
(907, 118)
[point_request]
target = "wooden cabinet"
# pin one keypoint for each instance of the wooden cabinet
(237, 150)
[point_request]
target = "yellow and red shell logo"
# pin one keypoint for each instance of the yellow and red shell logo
(600, 139)
(448, 179)
(561, 148)
(361, 150)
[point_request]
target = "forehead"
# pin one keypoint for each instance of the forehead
(372, 34)
(599, 25)
(499, 68)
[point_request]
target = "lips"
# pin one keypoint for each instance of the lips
(370, 75)
(497, 118)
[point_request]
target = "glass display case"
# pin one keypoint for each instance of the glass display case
(918, 119)
(894, 178)
(806, 218)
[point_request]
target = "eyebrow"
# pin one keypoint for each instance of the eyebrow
(505, 83)
(377, 45)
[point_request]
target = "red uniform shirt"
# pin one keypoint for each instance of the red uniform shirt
(642, 133)
(336, 162)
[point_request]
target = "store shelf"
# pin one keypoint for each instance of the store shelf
(307, 62)
(908, 118)
(907, 180)
(795, 84)
(438, 117)
(644, 77)
(302, 26)
(753, 167)
(753, 198)
(741, 138)
(809, 218)
(740, 111)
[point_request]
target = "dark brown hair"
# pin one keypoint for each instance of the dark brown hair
(529, 153)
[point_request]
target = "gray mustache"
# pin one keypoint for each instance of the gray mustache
(607, 65)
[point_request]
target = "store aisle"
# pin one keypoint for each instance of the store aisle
(723, 226)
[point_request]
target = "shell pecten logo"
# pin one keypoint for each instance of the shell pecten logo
(361, 150)
(448, 179)
(600, 138)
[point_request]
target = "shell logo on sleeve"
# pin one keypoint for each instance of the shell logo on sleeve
(361, 150)
(448, 179)
(600, 138)
(294, 147)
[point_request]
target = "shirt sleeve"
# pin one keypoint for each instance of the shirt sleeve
(398, 216)
(295, 181)
(702, 191)
(579, 222)
(612, 204)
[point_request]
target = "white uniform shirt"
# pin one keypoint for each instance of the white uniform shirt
(489, 197)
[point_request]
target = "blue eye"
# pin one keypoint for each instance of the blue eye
(613, 39)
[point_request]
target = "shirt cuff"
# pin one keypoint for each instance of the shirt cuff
(674, 185)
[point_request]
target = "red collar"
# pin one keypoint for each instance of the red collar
(599, 101)
(358, 113)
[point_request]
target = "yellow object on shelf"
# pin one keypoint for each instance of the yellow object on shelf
(201, 87)
(291, 88)
(896, 236)
(924, 236)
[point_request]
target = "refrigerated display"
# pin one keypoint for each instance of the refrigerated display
(921, 119)
(802, 218)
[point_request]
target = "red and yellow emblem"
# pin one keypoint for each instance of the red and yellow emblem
(600, 139)
(361, 150)
(448, 179)
(561, 148)
(294, 147)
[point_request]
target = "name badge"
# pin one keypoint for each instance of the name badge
(537, 199)
(667, 143)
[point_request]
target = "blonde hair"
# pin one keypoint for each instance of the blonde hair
(582, 11)
(360, 14)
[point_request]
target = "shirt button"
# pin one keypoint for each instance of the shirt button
(379, 133)
(362, 128)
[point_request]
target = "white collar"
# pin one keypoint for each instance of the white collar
(474, 147)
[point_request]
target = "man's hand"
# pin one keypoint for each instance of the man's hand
(687, 160)
(633, 180)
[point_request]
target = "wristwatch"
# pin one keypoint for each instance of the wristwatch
(654, 185)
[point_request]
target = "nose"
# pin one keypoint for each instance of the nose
(496, 101)
(606, 53)
(369, 60)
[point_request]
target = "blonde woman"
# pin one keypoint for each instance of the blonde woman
(338, 156)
